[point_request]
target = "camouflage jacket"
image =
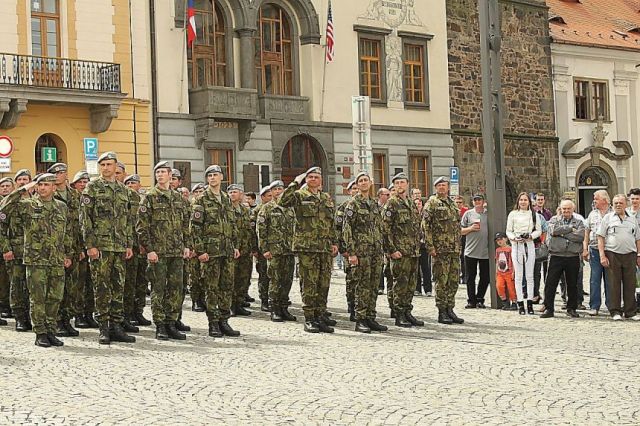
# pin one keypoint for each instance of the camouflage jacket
(441, 225)
(12, 229)
(242, 223)
(46, 240)
(338, 223)
(401, 227)
(134, 205)
(362, 228)
(314, 230)
(212, 225)
(163, 222)
(275, 226)
(104, 216)
(71, 198)
(253, 215)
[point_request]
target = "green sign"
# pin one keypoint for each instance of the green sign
(49, 155)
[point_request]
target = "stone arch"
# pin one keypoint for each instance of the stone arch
(302, 11)
(600, 171)
(612, 186)
(49, 140)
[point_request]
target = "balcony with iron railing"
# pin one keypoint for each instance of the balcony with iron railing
(36, 79)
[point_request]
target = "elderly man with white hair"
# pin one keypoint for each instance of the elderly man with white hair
(566, 234)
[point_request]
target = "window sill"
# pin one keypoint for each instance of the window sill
(582, 120)
(417, 106)
(379, 103)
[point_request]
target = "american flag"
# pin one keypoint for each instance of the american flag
(331, 41)
(191, 23)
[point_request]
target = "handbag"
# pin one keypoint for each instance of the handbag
(542, 252)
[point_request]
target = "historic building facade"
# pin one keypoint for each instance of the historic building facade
(254, 94)
(75, 69)
(595, 58)
(531, 145)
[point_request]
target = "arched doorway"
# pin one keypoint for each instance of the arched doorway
(590, 180)
(299, 154)
(45, 158)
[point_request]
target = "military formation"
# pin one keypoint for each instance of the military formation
(92, 250)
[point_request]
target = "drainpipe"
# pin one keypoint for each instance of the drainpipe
(154, 82)
(133, 93)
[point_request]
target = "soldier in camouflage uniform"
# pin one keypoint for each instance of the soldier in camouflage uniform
(244, 264)
(176, 185)
(316, 244)
(362, 235)
(215, 243)
(196, 285)
(349, 281)
(441, 226)
(162, 219)
(12, 240)
(47, 248)
(275, 226)
(402, 245)
(261, 263)
(72, 290)
(6, 186)
(136, 282)
(106, 228)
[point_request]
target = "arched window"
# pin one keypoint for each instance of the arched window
(207, 58)
(274, 52)
(45, 155)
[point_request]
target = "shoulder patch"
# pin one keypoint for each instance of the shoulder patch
(143, 209)
(339, 219)
(388, 213)
(3, 216)
(86, 200)
(349, 212)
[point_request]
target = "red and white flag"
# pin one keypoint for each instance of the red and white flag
(331, 41)
(191, 24)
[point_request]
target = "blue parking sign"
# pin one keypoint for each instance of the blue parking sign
(454, 175)
(90, 148)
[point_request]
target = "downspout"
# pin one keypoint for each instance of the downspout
(133, 94)
(154, 82)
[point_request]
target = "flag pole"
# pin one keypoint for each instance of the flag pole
(184, 55)
(324, 67)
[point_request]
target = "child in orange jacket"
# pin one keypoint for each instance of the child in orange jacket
(505, 282)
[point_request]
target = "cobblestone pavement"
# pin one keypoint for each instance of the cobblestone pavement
(497, 368)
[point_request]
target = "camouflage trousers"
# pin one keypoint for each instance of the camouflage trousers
(404, 272)
(366, 277)
(315, 278)
(19, 291)
(166, 289)
(5, 286)
(107, 275)
(196, 287)
(87, 304)
(350, 282)
(217, 276)
(389, 277)
(135, 285)
(263, 278)
(73, 293)
(446, 274)
(46, 287)
(242, 268)
(281, 274)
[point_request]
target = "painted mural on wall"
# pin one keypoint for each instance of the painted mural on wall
(393, 13)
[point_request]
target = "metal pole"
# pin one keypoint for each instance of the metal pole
(492, 132)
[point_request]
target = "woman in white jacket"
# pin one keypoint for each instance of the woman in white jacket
(522, 228)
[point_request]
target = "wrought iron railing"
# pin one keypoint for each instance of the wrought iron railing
(38, 71)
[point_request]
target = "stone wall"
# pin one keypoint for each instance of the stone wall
(531, 148)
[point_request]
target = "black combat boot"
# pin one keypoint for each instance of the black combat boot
(401, 320)
(530, 310)
(325, 319)
(6, 313)
(21, 325)
(214, 329)
(105, 338)
(286, 315)
(197, 306)
(240, 311)
(61, 330)
(311, 326)
(521, 308)
(3, 322)
(275, 315)
(444, 318)
(117, 334)
(182, 326)
(81, 322)
(352, 315)
(456, 319)
(413, 320)
(174, 333)
(54, 340)
(141, 320)
(91, 321)
(161, 332)
(128, 327)
(72, 331)
(42, 340)
(350, 307)
(392, 313)
(362, 327)
(264, 306)
(376, 326)
(324, 327)
(227, 330)
(249, 299)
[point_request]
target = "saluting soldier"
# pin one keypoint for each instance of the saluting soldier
(162, 219)
(243, 264)
(261, 263)
(47, 252)
(349, 281)
(316, 244)
(215, 243)
(275, 226)
(362, 235)
(402, 245)
(12, 240)
(6, 186)
(441, 226)
(196, 285)
(106, 227)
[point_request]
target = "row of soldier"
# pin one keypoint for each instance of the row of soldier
(116, 242)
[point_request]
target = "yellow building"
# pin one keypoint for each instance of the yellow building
(75, 69)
